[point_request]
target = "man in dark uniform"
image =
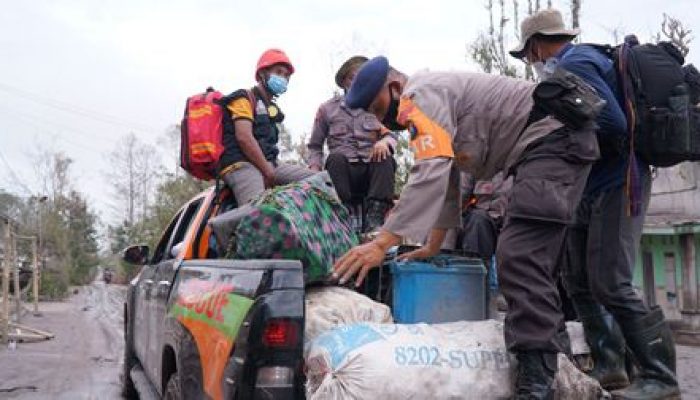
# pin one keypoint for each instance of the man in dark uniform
(483, 124)
(605, 235)
(360, 160)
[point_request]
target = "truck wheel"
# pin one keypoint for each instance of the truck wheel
(128, 389)
(172, 389)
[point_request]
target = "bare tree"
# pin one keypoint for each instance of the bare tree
(51, 169)
(169, 144)
(617, 33)
(357, 45)
(516, 20)
(133, 172)
(292, 151)
(575, 13)
(489, 49)
(673, 30)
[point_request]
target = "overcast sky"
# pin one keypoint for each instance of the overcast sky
(77, 75)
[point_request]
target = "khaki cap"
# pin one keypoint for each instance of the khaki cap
(546, 22)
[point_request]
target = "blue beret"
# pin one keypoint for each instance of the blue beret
(367, 83)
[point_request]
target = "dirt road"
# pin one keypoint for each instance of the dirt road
(83, 360)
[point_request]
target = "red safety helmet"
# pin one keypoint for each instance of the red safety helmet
(271, 57)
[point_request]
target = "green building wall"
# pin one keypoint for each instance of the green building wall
(659, 245)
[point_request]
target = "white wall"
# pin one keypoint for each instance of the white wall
(676, 190)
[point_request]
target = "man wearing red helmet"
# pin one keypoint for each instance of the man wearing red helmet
(251, 131)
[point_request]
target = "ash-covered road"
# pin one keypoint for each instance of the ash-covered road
(83, 360)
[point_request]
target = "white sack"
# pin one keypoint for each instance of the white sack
(459, 360)
(329, 307)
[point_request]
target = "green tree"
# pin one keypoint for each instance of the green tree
(80, 223)
(171, 194)
(11, 205)
(404, 162)
(68, 226)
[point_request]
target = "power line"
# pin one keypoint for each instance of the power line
(42, 129)
(70, 108)
(38, 117)
(13, 175)
(96, 197)
(32, 120)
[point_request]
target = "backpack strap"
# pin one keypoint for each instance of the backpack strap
(629, 83)
(626, 75)
(251, 98)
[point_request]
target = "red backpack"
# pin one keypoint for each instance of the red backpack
(202, 135)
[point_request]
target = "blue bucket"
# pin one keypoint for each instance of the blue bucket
(444, 288)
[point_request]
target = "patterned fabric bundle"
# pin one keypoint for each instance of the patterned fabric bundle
(302, 221)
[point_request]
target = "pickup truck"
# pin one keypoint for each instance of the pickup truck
(199, 326)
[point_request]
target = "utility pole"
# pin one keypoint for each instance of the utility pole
(35, 276)
(42, 201)
(15, 268)
(6, 283)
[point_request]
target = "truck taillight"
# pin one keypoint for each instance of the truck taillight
(281, 333)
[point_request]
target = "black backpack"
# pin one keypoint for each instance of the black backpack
(661, 100)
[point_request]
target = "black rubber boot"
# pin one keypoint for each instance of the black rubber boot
(651, 342)
(606, 342)
(607, 346)
(535, 375)
(376, 209)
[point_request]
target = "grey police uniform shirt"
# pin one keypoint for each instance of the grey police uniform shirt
(466, 122)
(351, 133)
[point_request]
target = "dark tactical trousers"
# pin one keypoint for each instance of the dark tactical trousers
(549, 181)
(480, 233)
(371, 180)
(602, 244)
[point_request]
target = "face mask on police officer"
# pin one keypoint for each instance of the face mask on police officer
(389, 120)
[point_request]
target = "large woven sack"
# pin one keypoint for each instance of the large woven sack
(330, 307)
(302, 221)
(457, 360)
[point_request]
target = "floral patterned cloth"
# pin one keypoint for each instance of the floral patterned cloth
(301, 221)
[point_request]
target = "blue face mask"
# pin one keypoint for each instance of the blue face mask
(276, 84)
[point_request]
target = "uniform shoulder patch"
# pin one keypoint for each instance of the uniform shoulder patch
(428, 138)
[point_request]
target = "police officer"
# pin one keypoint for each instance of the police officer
(360, 160)
(605, 235)
(249, 162)
(483, 124)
